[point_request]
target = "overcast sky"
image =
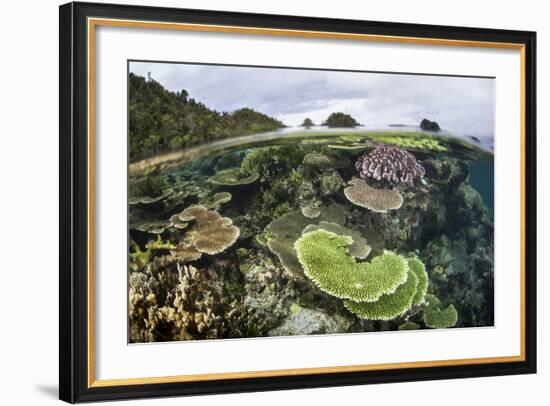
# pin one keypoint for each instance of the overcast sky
(460, 105)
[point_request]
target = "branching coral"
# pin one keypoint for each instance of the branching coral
(172, 301)
(233, 177)
(377, 200)
(391, 164)
(139, 259)
(325, 260)
(210, 234)
(438, 316)
(316, 162)
(330, 183)
(273, 162)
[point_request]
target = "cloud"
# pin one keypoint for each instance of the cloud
(460, 105)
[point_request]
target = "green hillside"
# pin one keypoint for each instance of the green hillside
(161, 120)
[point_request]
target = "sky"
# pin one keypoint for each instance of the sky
(460, 105)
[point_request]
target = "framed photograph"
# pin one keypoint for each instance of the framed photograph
(257, 202)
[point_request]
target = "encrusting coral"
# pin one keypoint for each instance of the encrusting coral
(392, 164)
(325, 260)
(210, 234)
(377, 200)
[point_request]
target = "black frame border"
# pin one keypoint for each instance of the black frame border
(73, 289)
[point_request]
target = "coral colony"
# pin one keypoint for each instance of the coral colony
(357, 232)
(391, 164)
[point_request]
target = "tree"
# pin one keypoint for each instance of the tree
(308, 123)
(161, 120)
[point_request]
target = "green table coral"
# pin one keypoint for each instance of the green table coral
(420, 271)
(413, 140)
(437, 316)
(359, 248)
(394, 304)
(390, 305)
(325, 260)
(281, 233)
(409, 325)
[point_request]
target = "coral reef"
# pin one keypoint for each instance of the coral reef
(215, 201)
(378, 200)
(180, 302)
(409, 325)
(420, 271)
(210, 234)
(420, 142)
(282, 233)
(315, 163)
(359, 248)
(312, 210)
(294, 250)
(389, 305)
(233, 177)
(331, 183)
(139, 259)
(272, 162)
(438, 316)
(304, 321)
(392, 164)
(325, 260)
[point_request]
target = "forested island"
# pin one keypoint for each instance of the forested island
(162, 120)
(340, 120)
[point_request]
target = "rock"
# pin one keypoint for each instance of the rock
(449, 171)
(428, 125)
(303, 321)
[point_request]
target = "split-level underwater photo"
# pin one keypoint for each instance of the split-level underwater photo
(269, 201)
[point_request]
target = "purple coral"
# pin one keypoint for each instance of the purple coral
(390, 163)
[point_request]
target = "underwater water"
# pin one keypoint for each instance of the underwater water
(318, 231)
